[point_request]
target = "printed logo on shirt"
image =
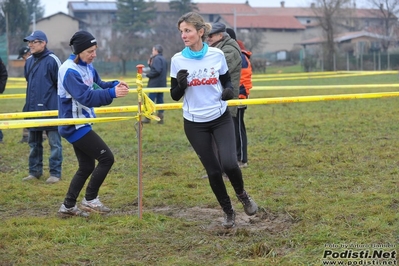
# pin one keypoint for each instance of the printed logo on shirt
(202, 77)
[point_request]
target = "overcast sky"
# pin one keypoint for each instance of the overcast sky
(55, 6)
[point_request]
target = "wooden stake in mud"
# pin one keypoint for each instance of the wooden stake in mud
(140, 127)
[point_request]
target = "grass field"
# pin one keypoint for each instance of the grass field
(325, 175)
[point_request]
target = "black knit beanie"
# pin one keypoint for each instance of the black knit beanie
(82, 40)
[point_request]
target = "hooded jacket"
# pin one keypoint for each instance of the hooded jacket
(41, 74)
(232, 53)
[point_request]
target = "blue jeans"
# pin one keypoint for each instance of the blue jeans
(36, 153)
(1, 135)
(156, 97)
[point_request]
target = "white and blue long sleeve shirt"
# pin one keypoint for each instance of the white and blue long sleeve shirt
(80, 89)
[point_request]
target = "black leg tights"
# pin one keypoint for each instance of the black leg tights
(88, 149)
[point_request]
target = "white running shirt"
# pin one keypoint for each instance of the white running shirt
(202, 99)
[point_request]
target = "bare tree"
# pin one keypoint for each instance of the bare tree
(388, 11)
(329, 13)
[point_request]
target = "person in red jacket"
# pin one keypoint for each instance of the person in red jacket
(245, 86)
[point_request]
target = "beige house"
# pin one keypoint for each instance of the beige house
(58, 37)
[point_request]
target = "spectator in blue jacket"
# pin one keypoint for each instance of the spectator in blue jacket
(41, 74)
(157, 78)
(80, 88)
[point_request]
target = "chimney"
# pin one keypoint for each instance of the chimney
(382, 6)
(282, 3)
(312, 5)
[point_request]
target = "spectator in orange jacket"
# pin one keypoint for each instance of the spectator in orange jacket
(245, 86)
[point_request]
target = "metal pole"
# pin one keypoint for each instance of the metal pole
(33, 21)
(140, 127)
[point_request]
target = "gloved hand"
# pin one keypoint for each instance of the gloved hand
(227, 94)
(182, 78)
(243, 93)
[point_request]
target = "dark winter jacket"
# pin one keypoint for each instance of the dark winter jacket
(158, 71)
(3, 76)
(42, 77)
(232, 52)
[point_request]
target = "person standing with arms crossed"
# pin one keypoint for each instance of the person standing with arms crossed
(80, 88)
(199, 75)
(3, 82)
(157, 78)
(41, 73)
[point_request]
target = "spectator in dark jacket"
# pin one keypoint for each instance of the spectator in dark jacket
(3, 81)
(157, 78)
(41, 73)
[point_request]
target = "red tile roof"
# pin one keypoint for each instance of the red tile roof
(264, 22)
(223, 8)
(308, 12)
(286, 11)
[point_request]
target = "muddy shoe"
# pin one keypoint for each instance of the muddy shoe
(229, 220)
(250, 207)
(65, 212)
(94, 205)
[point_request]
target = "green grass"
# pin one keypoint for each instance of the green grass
(322, 172)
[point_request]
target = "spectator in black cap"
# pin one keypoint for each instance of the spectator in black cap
(218, 38)
(80, 88)
(41, 74)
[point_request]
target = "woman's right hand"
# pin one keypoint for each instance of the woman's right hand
(182, 78)
(121, 90)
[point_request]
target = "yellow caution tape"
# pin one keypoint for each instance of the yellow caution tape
(57, 122)
(178, 105)
(255, 88)
(147, 108)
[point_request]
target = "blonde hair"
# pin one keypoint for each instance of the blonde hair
(197, 21)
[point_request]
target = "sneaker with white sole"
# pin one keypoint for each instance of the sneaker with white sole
(242, 165)
(250, 207)
(30, 177)
(65, 212)
(52, 179)
(94, 205)
(229, 220)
